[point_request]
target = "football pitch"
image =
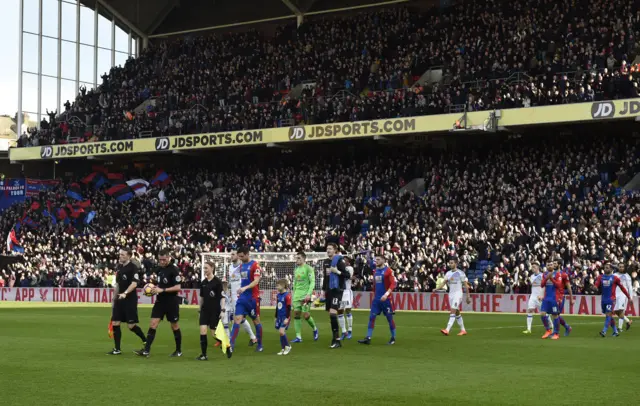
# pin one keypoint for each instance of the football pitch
(54, 354)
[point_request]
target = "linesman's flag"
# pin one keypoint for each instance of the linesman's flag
(221, 336)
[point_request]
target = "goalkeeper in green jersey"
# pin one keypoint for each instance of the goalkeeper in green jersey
(304, 281)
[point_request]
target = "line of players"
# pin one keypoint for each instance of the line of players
(241, 300)
(548, 296)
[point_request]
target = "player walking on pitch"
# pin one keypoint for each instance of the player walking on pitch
(333, 286)
(534, 297)
(554, 283)
(304, 282)
(383, 284)
(235, 283)
(125, 301)
(346, 305)
(283, 315)
(609, 282)
(621, 300)
(248, 303)
(167, 303)
(212, 303)
(458, 289)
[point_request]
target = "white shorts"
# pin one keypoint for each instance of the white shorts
(347, 300)
(534, 303)
(455, 301)
(229, 311)
(621, 303)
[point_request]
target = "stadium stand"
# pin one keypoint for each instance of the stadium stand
(361, 67)
(497, 205)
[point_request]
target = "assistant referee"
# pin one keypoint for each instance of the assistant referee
(125, 300)
(212, 305)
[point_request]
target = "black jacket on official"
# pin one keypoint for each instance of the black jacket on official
(344, 275)
(168, 277)
(211, 294)
(125, 275)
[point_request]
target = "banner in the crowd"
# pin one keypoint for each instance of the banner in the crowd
(421, 301)
(615, 109)
(146, 145)
(526, 116)
(11, 191)
(35, 186)
(358, 129)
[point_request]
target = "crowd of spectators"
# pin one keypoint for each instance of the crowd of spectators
(496, 206)
(493, 53)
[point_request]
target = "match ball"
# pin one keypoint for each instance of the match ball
(148, 289)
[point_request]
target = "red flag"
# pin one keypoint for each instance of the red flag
(75, 212)
(113, 176)
(99, 168)
(83, 204)
(110, 329)
(114, 189)
(89, 178)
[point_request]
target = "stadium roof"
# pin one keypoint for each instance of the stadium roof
(158, 17)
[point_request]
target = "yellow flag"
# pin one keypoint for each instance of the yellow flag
(222, 336)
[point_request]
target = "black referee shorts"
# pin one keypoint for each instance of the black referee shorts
(125, 311)
(333, 298)
(169, 307)
(209, 317)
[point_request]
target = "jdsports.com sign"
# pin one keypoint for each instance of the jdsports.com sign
(480, 302)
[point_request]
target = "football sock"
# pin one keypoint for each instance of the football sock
(117, 336)
(556, 325)
(297, 323)
(452, 318)
(151, 335)
(343, 327)
(529, 321)
(563, 323)
(246, 326)
(234, 334)
(607, 323)
(138, 331)
(620, 322)
(372, 324)
(226, 330)
(259, 334)
(283, 341)
(203, 344)
(349, 321)
(460, 322)
(392, 325)
(177, 335)
(545, 322)
(334, 325)
(312, 323)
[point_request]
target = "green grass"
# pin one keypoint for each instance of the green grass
(55, 355)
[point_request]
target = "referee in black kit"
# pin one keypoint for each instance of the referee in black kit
(212, 305)
(125, 300)
(167, 303)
